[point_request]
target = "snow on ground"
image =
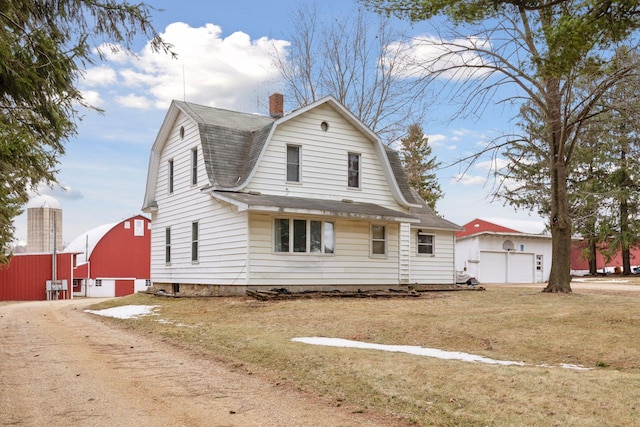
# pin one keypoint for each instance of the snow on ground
(410, 349)
(126, 311)
(135, 311)
(419, 351)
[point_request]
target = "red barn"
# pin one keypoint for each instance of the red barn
(29, 277)
(113, 260)
(580, 265)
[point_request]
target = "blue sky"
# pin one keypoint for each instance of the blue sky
(223, 62)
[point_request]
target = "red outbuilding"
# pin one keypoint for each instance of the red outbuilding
(31, 277)
(113, 260)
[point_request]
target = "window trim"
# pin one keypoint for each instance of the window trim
(195, 239)
(194, 166)
(350, 170)
(373, 240)
(299, 164)
(325, 249)
(170, 176)
(432, 244)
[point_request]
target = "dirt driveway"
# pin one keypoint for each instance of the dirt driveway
(61, 366)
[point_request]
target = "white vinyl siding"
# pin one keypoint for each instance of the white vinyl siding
(324, 161)
(351, 263)
(222, 233)
(438, 269)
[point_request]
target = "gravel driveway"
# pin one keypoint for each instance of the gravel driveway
(61, 366)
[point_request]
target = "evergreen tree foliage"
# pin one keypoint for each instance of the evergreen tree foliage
(420, 165)
(44, 45)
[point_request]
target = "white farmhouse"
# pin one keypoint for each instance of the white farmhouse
(308, 200)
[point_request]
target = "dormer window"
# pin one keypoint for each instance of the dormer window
(293, 163)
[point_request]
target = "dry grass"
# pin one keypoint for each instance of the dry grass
(600, 330)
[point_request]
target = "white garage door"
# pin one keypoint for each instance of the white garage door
(493, 267)
(520, 268)
(503, 267)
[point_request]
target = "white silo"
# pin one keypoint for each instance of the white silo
(44, 225)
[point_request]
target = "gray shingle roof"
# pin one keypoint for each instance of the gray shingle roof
(314, 206)
(231, 141)
(428, 218)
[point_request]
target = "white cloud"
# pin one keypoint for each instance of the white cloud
(92, 97)
(454, 59)
(210, 69)
(99, 76)
(134, 101)
(468, 180)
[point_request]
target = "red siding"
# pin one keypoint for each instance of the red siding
(580, 263)
(26, 275)
(124, 287)
(121, 254)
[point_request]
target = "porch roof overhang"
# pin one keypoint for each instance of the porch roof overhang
(256, 202)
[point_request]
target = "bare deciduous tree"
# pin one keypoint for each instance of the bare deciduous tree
(358, 60)
(529, 52)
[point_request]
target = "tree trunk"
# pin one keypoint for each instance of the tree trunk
(593, 264)
(560, 275)
(624, 230)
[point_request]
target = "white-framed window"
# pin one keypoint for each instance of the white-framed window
(194, 166)
(138, 227)
(426, 243)
(378, 240)
(147, 282)
(353, 170)
(170, 176)
(303, 236)
(194, 241)
(167, 245)
(98, 282)
(293, 163)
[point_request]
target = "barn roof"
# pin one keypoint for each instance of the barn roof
(84, 244)
(485, 226)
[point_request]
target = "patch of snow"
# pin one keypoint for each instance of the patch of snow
(420, 351)
(410, 349)
(572, 366)
(126, 311)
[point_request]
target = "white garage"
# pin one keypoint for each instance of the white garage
(495, 254)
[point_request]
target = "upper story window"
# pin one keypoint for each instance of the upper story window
(353, 168)
(304, 236)
(170, 175)
(426, 243)
(378, 240)
(293, 163)
(194, 166)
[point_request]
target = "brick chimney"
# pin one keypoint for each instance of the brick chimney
(276, 105)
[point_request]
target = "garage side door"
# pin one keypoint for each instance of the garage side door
(124, 287)
(521, 268)
(493, 267)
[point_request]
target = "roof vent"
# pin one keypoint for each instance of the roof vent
(347, 200)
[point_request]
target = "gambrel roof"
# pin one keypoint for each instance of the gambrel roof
(233, 143)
